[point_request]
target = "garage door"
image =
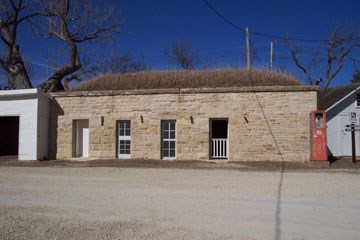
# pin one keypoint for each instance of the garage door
(9, 136)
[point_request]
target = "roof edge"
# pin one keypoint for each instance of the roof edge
(187, 91)
(342, 99)
(24, 92)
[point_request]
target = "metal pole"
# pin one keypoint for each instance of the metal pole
(271, 55)
(353, 143)
(248, 66)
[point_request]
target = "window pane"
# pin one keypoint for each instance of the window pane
(172, 153)
(172, 135)
(166, 135)
(165, 153)
(172, 145)
(128, 132)
(166, 145)
(121, 132)
(172, 125)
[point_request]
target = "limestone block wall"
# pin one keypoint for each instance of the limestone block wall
(264, 123)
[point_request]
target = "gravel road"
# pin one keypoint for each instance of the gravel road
(129, 203)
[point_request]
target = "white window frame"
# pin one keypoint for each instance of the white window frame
(170, 138)
(123, 136)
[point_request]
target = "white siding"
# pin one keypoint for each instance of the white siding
(339, 140)
(32, 108)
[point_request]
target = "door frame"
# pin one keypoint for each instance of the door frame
(121, 138)
(211, 157)
(78, 138)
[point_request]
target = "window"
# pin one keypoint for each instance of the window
(358, 100)
(168, 139)
(318, 120)
(124, 139)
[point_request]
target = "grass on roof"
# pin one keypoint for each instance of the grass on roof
(187, 79)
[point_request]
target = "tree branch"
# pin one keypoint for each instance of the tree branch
(298, 64)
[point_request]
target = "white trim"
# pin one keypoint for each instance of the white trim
(23, 92)
(123, 138)
(348, 95)
(169, 139)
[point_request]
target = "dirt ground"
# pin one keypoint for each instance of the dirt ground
(336, 164)
(94, 200)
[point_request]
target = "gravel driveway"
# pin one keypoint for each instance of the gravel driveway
(139, 203)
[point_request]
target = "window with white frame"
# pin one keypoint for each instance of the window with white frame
(168, 139)
(358, 99)
(124, 139)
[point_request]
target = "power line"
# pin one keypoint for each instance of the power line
(222, 17)
(256, 33)
(221, 49)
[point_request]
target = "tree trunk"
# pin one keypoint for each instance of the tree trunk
(18, 77)
(54, 84)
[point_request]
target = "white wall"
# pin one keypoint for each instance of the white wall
(32, 107)
(339, 140)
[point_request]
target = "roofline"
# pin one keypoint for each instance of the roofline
(187, 91)
(24, 92)
(346, 96)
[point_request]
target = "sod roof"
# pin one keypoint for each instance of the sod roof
(187, 79)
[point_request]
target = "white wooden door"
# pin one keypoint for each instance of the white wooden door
(85, 143)
(81, 138)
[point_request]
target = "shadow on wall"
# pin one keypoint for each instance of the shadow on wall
(55, 112)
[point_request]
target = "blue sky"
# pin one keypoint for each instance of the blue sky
(151, 25)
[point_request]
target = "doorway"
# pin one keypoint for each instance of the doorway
(219, 138)
(81, 138)
(9, 136)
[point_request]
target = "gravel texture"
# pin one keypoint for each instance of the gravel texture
(159, 203)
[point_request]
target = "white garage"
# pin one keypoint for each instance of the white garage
(24, 122)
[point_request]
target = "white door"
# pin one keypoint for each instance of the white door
(124, 139)
(81, 138)
(85, 143)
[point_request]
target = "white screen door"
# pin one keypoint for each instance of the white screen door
(124, 139)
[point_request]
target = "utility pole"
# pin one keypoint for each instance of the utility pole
(271, 55)
(248, 65)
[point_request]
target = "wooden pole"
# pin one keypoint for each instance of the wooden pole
(353, 143)
(248, 65)
(271, 55)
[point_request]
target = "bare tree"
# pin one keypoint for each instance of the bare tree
(75, 22)
(123, 63)
(12, 14)
(182, 53)
(356, 77)
(338, 48)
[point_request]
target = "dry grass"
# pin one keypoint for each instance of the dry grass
(187, 79)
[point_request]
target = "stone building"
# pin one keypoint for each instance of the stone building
(237, 123)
